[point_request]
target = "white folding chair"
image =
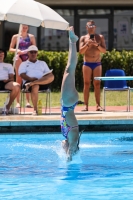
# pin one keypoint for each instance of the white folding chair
(47, 100)
(12, 110)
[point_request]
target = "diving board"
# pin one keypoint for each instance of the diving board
(115, 78)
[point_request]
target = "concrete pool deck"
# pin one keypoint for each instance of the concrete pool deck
(115, 118)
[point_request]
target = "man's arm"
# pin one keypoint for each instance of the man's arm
(49, 78)
(82, 46)
(11, 78)
(102, 45)
(22, 72)
(27, 78)
(46, 79)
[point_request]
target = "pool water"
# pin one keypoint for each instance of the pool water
(33, 167)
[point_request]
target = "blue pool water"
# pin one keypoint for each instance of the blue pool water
(33, 167)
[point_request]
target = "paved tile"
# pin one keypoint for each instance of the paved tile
(114, 119)
(112, 113)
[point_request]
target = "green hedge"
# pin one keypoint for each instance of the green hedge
(57, 61)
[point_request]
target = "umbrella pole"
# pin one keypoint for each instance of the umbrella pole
(20, 28)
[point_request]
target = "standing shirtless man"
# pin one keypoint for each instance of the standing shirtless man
(92, 45)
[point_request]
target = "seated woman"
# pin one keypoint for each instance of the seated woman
(69, 98)
(7, 81)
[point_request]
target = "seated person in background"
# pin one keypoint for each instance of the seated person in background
(7, 80)
(36, 75)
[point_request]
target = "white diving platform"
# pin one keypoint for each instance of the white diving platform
(114, 78)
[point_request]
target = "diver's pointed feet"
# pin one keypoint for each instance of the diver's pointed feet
(72, 37)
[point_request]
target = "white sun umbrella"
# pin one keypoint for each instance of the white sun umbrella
(31, 13)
